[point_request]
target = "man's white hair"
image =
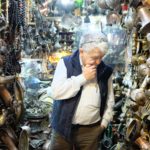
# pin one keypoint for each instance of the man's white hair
(89, 41)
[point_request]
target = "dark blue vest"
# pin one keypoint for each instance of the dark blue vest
(63, 110)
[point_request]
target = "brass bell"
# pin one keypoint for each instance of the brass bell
(144, 15)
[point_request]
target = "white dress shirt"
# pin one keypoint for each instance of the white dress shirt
(87, 111)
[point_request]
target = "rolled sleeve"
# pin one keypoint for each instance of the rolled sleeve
(80, 79)
(63, 87)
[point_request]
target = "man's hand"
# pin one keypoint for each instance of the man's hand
(102, 128)
(89, 72)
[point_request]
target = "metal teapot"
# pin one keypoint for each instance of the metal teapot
(129, 19)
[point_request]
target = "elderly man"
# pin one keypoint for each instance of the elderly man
(83, 96)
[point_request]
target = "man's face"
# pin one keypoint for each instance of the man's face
(92, 57)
